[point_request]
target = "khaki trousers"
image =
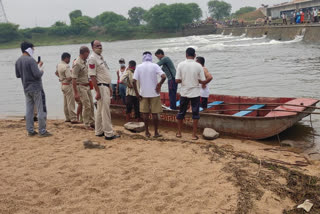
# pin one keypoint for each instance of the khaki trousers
(69, 103)
(87, 104)
(103, 116)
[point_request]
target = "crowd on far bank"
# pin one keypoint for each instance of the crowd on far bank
(138, 86)
(301, 16)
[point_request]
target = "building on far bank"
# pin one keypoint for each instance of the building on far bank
(275, 11)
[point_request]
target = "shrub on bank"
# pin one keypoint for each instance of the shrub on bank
(8, 32)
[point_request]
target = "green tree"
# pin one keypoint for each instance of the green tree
(219, 9)
(75, 14)
(136, 15)
(59, 24)
(196, 11)
(107, 18)
(157, 15)
(80, 25)
(8, 32)
(121, 28)
(60, 30)
(169, 17)
(180, 14)
(244, 10)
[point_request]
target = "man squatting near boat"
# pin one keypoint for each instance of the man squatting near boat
(141, 82)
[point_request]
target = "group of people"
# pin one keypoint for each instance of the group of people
(267, 20)
(137, 85)
(302, 16)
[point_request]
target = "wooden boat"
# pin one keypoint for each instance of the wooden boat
(239, 116)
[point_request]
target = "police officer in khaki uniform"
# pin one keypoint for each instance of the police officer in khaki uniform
(81, 87)
(64, 74)
(101, 79)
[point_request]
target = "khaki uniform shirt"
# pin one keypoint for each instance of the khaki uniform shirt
(80, 71)
(99, 68)
(127, 78)
(64, 72)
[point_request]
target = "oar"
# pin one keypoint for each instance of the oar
(270, 104)
(307, 112)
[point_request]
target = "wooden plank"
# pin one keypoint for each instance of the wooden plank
(211, 105)
(299, 101)
(248, 110)
(178, 103)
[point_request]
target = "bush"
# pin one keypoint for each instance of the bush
(60, 30)
(8, 32)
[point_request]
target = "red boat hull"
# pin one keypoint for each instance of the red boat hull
(258, 124)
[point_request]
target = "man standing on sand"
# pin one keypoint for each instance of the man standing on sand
(170, 71)
(147, 74)
(204, 90)
(64, 74)
(81, 88)
(189, 74)
(131, 99)
(101, 80)
(31, 76)
(121, 88)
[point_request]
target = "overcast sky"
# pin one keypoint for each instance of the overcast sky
(31, 13)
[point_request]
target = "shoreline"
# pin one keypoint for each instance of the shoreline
(136, 174)
(276, 32)
(71, 40)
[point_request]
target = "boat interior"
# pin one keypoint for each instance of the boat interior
(243, 106)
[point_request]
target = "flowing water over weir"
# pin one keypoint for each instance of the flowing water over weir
(239, 65)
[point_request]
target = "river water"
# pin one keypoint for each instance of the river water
(239, 65)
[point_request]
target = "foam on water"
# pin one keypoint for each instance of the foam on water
(221, 42)
(249, 43)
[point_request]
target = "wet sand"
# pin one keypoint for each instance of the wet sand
(138, 175)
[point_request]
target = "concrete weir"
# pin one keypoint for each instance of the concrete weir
(310, 33)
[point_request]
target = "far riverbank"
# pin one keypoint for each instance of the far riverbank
(45, 40)
(309, 32)
(56, 40)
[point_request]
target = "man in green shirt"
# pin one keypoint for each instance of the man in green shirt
(170, 71)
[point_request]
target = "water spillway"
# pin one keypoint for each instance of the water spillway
(309, 32)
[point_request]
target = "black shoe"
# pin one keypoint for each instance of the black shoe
(100, 135)
(31, 134)
(46, 134)
(113, 137)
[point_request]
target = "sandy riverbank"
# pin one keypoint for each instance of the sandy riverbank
(136, 175)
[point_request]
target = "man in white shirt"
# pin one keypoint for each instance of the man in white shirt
(189, 74)
(147, 74)
(315, 15)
